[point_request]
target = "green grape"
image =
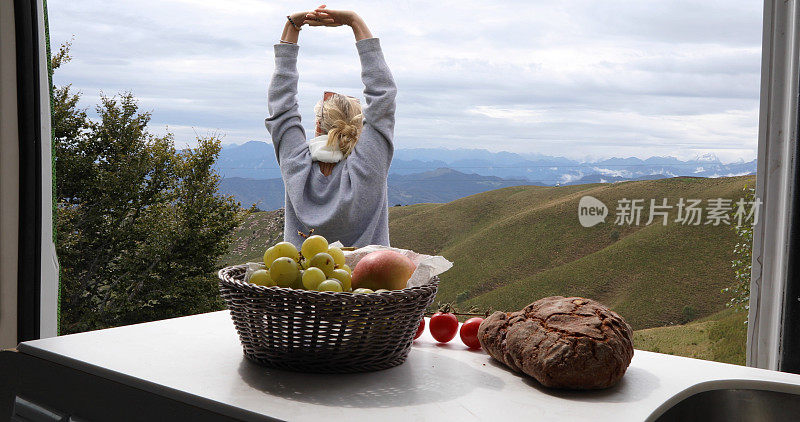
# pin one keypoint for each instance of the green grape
(270, 256)
(298, 282)
(337, 254)
(314, 245)
(312, 278)
(286, 249)
(381, 290)
(282, 249)
(347, 268)
(324, 262)
(330, 285)
(262, 278)
(284, 271)
(363, 291)
(342, 276)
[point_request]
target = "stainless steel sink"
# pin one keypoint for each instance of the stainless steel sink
(734, 404)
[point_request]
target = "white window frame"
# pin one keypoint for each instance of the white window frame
(777, 142)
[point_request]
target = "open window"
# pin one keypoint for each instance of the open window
(29, 268)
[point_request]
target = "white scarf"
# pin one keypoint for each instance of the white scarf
(320, 151)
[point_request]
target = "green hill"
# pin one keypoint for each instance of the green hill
(721, 337)
(515, 245)
(512, 246)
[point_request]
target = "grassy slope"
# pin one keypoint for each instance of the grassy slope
(251, 237)
(720, 338)
(512, 246)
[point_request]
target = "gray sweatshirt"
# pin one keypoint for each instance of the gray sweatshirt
(351, 205)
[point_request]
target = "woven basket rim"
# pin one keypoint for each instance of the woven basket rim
(226, 278)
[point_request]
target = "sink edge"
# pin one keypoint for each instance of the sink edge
(752, 384)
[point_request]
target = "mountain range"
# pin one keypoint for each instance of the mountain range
(439, 185)
(251, 174)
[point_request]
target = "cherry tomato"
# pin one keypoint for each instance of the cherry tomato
(420, 329)
(443, 326)
(469, 332)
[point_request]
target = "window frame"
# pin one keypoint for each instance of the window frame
(775, 244)
(774, 285)
(35, 272)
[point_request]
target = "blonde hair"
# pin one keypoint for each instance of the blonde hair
(340, 117)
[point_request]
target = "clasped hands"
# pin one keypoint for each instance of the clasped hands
(323, 17)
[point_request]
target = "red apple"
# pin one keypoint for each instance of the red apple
(383, 270)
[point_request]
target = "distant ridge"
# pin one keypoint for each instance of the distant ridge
(256, 160)
(439, 185)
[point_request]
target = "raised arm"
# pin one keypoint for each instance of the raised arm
(380, 90)
(283, 123)
(379, 87)
(360, 29)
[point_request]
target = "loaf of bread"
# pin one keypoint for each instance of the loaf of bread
(571, 343)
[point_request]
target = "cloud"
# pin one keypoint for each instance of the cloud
(564, 78)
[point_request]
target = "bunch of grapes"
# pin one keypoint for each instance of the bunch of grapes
(317, 266)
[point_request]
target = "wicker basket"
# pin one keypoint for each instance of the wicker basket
(326, 332)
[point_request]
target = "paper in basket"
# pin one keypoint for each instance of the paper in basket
(427, 265)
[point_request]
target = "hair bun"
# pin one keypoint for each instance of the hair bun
(350, 130)
(342, 127)
(346, 129)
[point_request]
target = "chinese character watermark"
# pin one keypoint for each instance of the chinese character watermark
(688, 211)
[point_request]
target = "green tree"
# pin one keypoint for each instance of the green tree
(743, 260)
(140, 225)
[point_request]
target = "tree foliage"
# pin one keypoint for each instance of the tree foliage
(140, 225)
(742, 263)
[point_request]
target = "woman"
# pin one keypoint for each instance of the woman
(346, 200)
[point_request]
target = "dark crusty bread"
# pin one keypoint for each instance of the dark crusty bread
(572, 343)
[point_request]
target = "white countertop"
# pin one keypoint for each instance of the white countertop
(199, 360)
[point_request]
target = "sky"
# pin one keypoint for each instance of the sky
(579, 79)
